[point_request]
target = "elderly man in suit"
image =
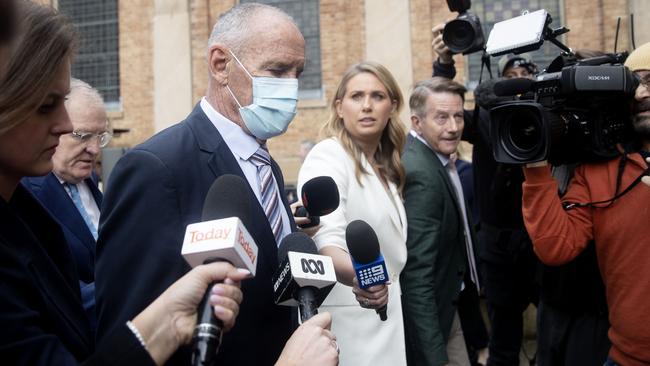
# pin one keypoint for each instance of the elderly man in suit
(255, 55)
(440, 241)
(70, 191)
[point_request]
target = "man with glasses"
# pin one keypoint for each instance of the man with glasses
(70, 191)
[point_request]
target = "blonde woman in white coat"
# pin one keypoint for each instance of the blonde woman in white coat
(361, 152)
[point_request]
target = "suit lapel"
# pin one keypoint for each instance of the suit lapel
(385, 197)
(430, 157)
(65, 212)
(277, 173)
(97, 195)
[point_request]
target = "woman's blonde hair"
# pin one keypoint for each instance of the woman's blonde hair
(42, 42)
(392, 139)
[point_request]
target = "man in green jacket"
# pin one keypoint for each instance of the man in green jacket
(440, 242)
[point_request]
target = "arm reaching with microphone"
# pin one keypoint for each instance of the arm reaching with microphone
(311, 344)
(169, 321)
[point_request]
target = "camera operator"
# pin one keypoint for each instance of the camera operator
(506, 256)
(562, 228)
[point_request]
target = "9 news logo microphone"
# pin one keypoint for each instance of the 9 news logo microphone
(304, 278)
(221, 236)
(366, 258)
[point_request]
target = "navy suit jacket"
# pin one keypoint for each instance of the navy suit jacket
(50, 192)
(42, 318)
(154, 192)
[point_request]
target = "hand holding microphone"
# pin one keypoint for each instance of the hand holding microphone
(220, 237)
(304, 277)
(370, 283)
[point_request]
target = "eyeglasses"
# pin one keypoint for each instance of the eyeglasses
(645, 80)
(85, 137)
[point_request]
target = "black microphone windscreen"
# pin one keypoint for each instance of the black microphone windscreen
(362, 242)
(228, 197)
(510, 87)
(320, 196)
(296, 242)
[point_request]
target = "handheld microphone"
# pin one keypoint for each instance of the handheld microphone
(511, 87)
(304, 277)
(367, 260)
(220, 236)
(320, 196)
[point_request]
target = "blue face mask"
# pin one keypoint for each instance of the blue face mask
(273, 107)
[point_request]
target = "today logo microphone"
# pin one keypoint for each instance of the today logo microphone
(221, 236)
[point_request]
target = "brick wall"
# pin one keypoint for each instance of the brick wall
(592, 24)
(136, 73)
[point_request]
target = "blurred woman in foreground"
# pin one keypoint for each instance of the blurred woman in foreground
(43, 321)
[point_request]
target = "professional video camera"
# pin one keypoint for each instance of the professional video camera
(575, 111)
(463, 34)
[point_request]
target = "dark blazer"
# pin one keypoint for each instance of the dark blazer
(43, 321)
(437, 258)
(50, 192)
(154, 192)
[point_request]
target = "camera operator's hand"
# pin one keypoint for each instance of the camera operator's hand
(439, 46)
(646, 179)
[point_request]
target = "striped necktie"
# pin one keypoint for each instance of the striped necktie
(76, 199)
(268, 192)
(455, 179)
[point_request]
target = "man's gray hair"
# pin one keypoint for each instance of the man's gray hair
(82, 88)
(422, 90)
(233, 28)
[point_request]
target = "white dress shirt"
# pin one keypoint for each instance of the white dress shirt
(243, 146)
(87, 199)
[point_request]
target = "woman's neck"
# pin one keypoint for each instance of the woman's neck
(369, 149)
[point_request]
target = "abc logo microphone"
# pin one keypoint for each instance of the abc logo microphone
(304, 278)
(319, 196)
(367, 261)
(221, 236)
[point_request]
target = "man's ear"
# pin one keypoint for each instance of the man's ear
(415, 124)
(218, 63)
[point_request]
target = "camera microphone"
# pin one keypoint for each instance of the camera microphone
(486, 97)
(512, 87)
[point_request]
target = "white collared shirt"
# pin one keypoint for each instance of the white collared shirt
(243, 146)
(87, 199)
